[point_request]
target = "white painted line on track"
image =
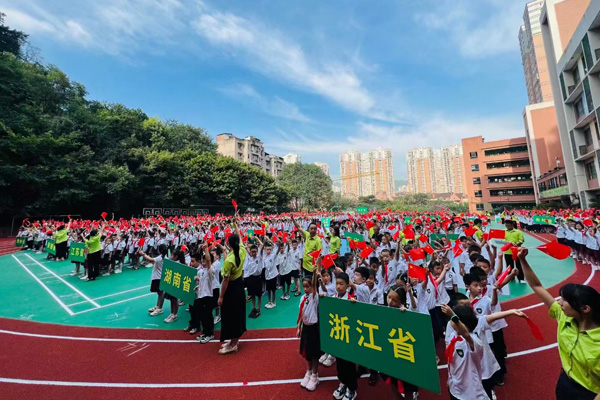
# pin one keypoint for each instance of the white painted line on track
(113, 294)
(50, 292)
(116, 302)
(79, 292)
(95, 339)
(207, 385)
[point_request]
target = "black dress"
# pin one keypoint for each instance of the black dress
(233, 311)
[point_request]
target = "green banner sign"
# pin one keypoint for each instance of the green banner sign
(178, 280)
(326, 223)
(544, 220)
(362, 210)
(357, 237)
(77, 252)
(21, 242)
(436, 237)
(50, 247)
(250, 233)
(399, 344)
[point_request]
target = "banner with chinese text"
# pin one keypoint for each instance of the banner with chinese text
(399, 344)
(362, 210)
(50, 247)
(21, 241)
(357, 237)
(178, 280)
(77, 252)
(326, 223)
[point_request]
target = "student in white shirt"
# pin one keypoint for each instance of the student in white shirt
(269, 265)
(201, 311)
(465, 355)
(308, 331)
(252, 279)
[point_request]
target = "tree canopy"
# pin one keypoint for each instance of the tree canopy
(65, 154)
(308, 186)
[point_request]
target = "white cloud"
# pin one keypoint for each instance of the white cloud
(273, 54)
(277, 106)
(477, 29)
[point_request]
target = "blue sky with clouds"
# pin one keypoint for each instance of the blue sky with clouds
(311, 77)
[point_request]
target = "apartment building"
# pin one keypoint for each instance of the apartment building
(571, 33)
(324, 167)
(435, 170)
(497, 174)
(367, 174)
(249, 150)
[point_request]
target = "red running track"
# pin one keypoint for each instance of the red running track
(262, 369)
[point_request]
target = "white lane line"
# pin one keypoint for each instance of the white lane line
(116, 302)
(95, 339)
(207, 385)
(113, 294)
(50, 292)
(145, 346)
(79, 292)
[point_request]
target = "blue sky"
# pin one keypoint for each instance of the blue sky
(312, 77)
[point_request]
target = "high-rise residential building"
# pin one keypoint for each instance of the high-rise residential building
(292, 158)
(367, 174)
(533, 55)
(570, 29)
(435, 170)
(251, 151)
(497, 174)
(324, 167)
(539, 117)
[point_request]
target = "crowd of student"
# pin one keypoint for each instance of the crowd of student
(402, 260)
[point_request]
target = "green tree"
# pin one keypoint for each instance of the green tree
(11, 40)
(308, 187)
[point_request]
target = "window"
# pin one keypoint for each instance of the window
(477, 181)
(507, 150)
(478, 193)
(575, 71)
(590, 171)
(479, 207)
(587, 134)
(473, 154)
(508, 164)
(475, 167)
(509, 178)
(578, 108)
(511, 192)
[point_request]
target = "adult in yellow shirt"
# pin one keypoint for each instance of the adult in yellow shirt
(94, 253)
(335, 243)
(577, 313)
(312, 242)
(232, 298)
(61, 237)
(514, 236)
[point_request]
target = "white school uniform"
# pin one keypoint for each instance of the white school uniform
(310, 311)
(464, 372)
(483, 307)
(205, 283)
(375, 296)
(157, 268)
(362, 293)
(269, 265)
(252, 266)
(426, 297)
(216, 269)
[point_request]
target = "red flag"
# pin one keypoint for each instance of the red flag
(417, 254)
(360, 245)
(535, 330)
(497, 234)
(396, 235)
(315, 254)
(506, 246)
(422, 238)
(502, 277)
(414, 271)
(555, 250)
(327, 260)
(104, 214)
(234, 205)
(587, 222)
(515, 252)
(485, 236)
(352, 244)
(470, 231)
(366, 252)
(428, 249)
(457, 250)
(141, 242)
(370, 224)
(408, 233)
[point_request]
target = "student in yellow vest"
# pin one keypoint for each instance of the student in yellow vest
(312, 242)
(514, 236)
